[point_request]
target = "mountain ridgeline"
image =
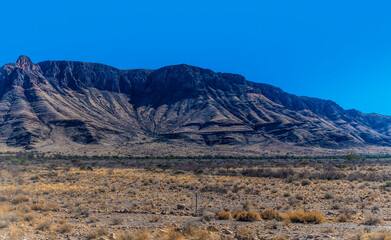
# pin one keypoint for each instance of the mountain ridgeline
(63, 103)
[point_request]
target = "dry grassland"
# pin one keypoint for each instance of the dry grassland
(40, 201)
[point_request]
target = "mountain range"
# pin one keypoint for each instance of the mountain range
(68, 105)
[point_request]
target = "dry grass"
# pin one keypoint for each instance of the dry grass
(97, 233)
(270, 214)
(301, 216)
(342, 218)
(64, 227)
(247, 216)
(377, 235)
(171, 233)
(138, 235)
(280, 237)
(20, 199)
(45, 225)
(224, 215)
(16, 233)
(100, 202)
(373, 220)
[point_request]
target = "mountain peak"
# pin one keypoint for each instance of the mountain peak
(24, 62)
(64, 104)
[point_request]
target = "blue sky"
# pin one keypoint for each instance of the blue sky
(338, 50)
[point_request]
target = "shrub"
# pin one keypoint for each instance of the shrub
(379, 236)
(375, 209)
(336, 206)
(329, 175)
(99, 233)
(28, 217)
(383, 234)
(270, 214)
(305, 182)
(224, 215)
(207, 216)
(267, 173)
(174, 235)
(44, 207)
(16, 233)
(19, 199)
(110, 171)
(300, 216)
(4, 223)
(246, 233)
(386, 185)
(83, 211)
(117, 221)
(64, 227)
(328, 196)
(299, 196)
(348, 212)
(45, 225)
(138, 235)
(247, 216)
(214, 188)
(156, 218)
(247, 205)
(7, 218)
(281, 237)
(372, 220)
(342, 218)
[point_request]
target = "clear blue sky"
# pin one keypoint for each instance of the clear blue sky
(338, 50)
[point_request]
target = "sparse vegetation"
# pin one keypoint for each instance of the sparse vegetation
(270, 214)
(373, 220)
(301, 216)
(225, 215)
(268, 201)
(247, 216)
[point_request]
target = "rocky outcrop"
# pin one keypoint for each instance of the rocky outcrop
(63, 102)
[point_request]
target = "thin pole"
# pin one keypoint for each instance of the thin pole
(196, 205)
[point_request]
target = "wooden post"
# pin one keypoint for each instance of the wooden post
(196, 205)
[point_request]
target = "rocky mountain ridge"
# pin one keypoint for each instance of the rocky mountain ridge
(72, 104)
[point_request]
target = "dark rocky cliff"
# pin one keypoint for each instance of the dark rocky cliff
(56, 102)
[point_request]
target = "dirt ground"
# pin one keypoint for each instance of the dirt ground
(319, 201)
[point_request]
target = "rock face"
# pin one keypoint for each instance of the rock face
(62, 103)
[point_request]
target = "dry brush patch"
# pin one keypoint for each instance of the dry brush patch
(301, 216)
(94, 202)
